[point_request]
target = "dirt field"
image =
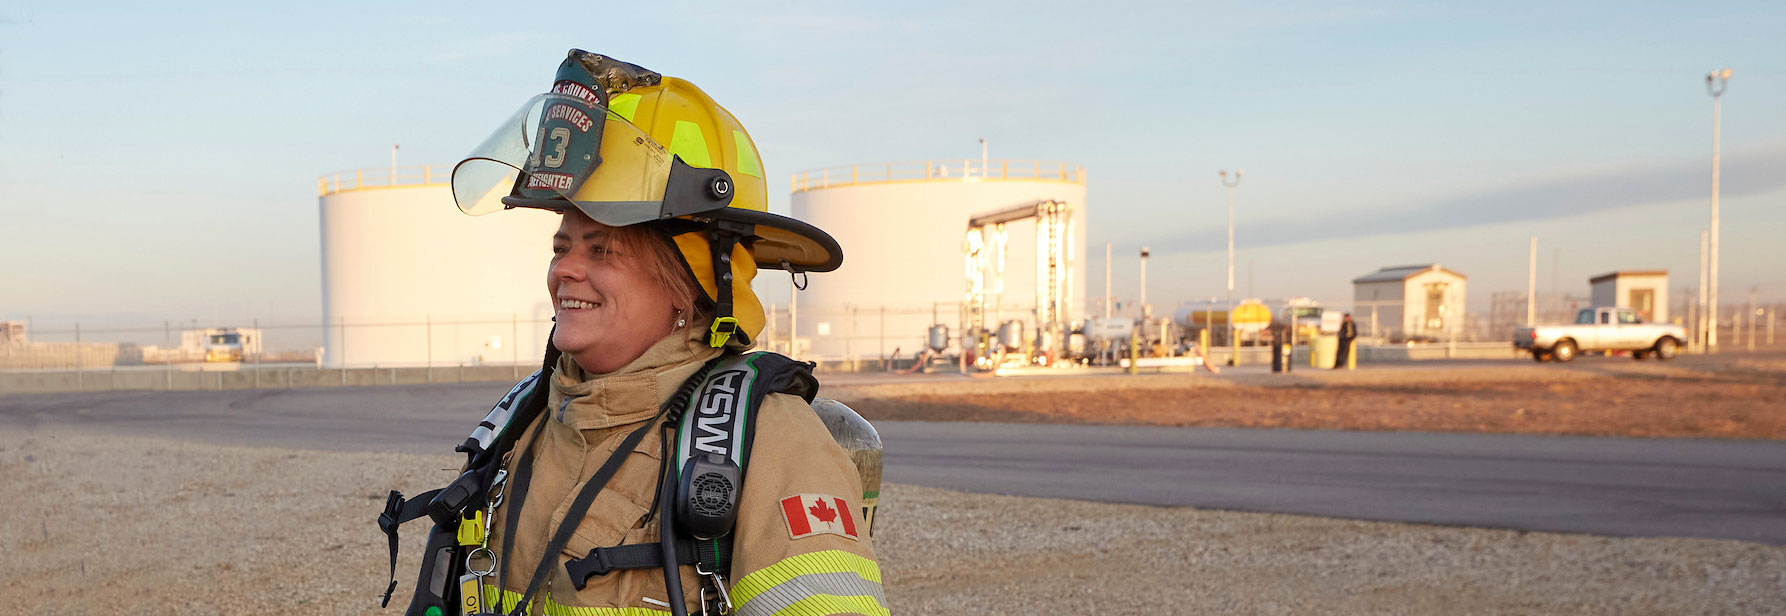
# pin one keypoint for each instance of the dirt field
(122, 525)
(1725, 396)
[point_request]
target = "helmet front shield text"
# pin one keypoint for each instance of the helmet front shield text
(560, 150)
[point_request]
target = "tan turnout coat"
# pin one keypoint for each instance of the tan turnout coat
(586, 418)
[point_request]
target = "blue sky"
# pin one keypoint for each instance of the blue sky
(139, 142)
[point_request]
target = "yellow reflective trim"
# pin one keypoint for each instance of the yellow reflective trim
(689, 143)
(548, 608)
(624, 105)
(827, 605)
(748, 163)
(828, 561)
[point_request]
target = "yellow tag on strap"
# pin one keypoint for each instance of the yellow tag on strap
(721, 331)
(471, 530)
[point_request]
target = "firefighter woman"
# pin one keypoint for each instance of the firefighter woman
(646, 408)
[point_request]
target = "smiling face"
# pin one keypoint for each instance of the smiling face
(608, 293)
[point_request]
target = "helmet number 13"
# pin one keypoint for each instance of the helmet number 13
(556, 139)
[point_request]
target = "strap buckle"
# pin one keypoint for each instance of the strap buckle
(581, 569)
(393, 512)
(721, 331)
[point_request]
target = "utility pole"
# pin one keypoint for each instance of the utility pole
(1715, 84)
(1233, 339)
(1141, 309)
(393, 164)
(1699, 334)
(1532, 285)
(983, 168)
(1693, 328)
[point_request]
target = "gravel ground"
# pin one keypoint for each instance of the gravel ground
(1733, 395)
(107, 524)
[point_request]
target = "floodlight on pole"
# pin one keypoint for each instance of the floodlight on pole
(1233, 338)
(1715, 84)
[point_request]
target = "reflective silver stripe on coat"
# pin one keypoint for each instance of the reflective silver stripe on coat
(783, 595)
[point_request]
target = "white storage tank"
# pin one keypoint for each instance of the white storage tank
(409, 280)
(902, 227)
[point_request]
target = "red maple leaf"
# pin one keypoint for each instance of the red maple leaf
(823, 513)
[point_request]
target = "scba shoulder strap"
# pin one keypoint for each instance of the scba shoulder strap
(497, 420)
(447, 506)
(722, 417)
(711, 452)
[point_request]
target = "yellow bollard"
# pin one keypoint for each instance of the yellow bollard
(1352, 355)
(1134, 360)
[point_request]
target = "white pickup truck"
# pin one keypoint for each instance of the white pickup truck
(1602, 329)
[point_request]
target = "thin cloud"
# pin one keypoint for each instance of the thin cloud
(1744, 173)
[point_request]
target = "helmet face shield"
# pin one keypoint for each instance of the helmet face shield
(559, 150)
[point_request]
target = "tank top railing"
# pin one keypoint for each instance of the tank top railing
(382, 177)
(957, 170)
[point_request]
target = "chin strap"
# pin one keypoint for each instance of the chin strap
(722, 236)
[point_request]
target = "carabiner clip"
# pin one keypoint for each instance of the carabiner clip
(719, 584)
(498, 486)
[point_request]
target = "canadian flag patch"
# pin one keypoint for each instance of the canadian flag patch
(818, 514)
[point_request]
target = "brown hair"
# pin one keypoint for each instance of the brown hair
(657, 256)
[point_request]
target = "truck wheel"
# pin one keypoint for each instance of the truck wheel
(1564, 351)
(1540, 356)
(1667, 348)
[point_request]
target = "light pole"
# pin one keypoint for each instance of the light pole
(1715, 84)
(983, 173)
(1532, 285)
(1699, 322)
(1141, 307)
(1233, 340)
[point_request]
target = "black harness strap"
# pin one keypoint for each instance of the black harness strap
(601, 561)
(396, 512)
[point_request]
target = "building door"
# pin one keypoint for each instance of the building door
(1644, 302)
(1434, 322)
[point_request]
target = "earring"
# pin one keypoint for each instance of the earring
(680, 322)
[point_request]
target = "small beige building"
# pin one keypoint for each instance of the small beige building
(1409, 301)
(1645, 291)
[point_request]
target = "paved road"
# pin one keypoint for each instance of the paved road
(1661, 487)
